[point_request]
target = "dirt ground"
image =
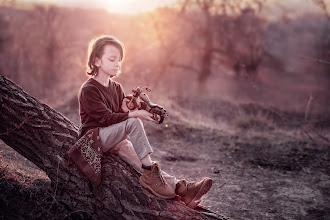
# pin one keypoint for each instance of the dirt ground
(262, 167)
(257, 175)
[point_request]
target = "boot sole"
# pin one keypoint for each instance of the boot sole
(155, 193)
(206, 186)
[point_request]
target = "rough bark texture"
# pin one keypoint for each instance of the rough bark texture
(44, 136)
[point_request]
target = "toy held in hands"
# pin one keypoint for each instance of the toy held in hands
(159, 113)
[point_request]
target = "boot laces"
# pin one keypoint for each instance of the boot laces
(187, 182)
(155, 173)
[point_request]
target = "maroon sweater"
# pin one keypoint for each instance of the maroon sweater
(100, 106)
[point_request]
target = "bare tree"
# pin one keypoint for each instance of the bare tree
(325, 50)
(207, 35)
(323, 6)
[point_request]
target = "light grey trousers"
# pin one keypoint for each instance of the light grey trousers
(114, 139)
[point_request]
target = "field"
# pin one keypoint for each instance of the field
(263, 166)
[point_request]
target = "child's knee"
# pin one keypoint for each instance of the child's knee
(136, 122)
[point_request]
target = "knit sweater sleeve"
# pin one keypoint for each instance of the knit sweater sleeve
(92, 101)
(121, 95)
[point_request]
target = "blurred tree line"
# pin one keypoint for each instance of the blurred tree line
(30, 47)
(182, 47)
(43, 48)
(215, 32)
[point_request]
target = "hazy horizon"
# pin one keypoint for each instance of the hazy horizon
(114, 6)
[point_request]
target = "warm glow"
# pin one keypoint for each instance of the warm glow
(133, 6)
(115, 6)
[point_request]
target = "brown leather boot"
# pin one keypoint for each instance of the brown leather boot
(191, 192)
(154, 181)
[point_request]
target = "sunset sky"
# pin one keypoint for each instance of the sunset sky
(275, 7)
(116, 6)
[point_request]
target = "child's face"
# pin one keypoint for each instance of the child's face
(110, 61)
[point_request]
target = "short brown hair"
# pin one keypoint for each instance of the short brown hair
(96, 49)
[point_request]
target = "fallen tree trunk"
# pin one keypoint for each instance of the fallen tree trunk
(43, 136)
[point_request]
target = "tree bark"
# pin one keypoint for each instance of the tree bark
(43, 136)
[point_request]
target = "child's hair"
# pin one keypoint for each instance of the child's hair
(96, 49)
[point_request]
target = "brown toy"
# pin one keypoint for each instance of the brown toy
(159, 113)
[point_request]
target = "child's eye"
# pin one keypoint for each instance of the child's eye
(112, 60)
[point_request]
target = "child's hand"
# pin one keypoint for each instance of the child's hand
(142, 114)
(124, 105)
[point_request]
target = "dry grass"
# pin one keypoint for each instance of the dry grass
(257, 122)
(18, 168)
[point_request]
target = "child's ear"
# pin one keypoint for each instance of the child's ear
(97, 62)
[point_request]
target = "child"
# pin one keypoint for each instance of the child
(102, 107)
